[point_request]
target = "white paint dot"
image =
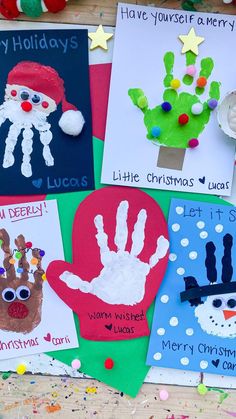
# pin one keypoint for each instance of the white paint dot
(164, 299)
(203, 365)
(219, 228)
(174, 321)
(203, 234)
(189, 331)
(200, 224)
(157, 356)
(184, 242)
(193, 255)
(175, 227)
(161, 331)
(180, 271)
(179, 210)
(184, 361)
(172, 257)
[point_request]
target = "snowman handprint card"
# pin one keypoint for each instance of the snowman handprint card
(45, 116)
(197, 299)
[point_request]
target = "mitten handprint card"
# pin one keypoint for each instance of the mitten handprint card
(170, 71)
(194, 324)
(45, 115)
(30, 238)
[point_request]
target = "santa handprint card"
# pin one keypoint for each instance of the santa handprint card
(194, 324)
(45, 116)
(168, 79)
(28, 324)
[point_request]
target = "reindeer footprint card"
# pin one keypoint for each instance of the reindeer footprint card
(45, 115)
(194, 324)
(32, 318)
(170, 71)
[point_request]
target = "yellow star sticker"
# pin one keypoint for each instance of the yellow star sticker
(191, 42)
(99, 38)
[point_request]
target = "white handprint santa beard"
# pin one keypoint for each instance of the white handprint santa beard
(32, 93)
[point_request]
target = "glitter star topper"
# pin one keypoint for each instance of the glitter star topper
(99, 38)
(191, 42)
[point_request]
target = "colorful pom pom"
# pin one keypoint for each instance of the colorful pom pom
(109, 363)
(197, 109)
(2, 270)
(201, 82)
(55, 6)
(20, 270)
(28, 245)
(202, 389)
(31, 8)
(12, 261)
(156, 131)
(76, 364)
(212, 103)
(191, 70)
(193, 143)
(175, 83)
(34, 261)
(44, 278)
(11, 9)
(41, 253)
(183, 119)
(164, 395)
(142, 102)
(21, 369)
(166, 106)
(18, 255)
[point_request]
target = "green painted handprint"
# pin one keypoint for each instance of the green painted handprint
(163, 127)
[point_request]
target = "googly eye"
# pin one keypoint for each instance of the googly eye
(36, 99)
(218, 303)
(231, 303)
(24, 94)
(8, 295)
(23, 292)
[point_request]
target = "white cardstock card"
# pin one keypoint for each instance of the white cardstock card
(32, 317)
(159, 135)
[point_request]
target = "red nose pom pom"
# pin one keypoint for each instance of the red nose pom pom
(109, 364)
(18, 310)
(26, 106)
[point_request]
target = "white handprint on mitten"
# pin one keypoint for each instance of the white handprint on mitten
(123, 278)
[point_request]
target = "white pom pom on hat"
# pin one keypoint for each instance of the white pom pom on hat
(72, 120)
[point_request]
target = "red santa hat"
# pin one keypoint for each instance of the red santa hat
(45, 79)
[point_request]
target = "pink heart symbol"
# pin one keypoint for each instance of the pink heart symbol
(47, 337)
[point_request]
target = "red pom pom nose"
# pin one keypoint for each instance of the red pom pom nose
(26, 106)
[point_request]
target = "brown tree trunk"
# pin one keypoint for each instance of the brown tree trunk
(171, 158)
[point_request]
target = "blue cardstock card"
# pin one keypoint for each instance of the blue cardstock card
(194, 323)
(45, 112)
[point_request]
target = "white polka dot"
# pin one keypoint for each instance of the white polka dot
(184, 242)
(184, 361)
(174, 321)
(180, 271)
(179, 210)
(200, 224)
(172, 257)
(203, 365)
(219, 228)
(161, 331)
(203, 234)
(157, 356)
(193, 255)
(175, 227)
(164, 299)
(189, 332)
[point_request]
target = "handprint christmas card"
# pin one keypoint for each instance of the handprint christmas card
(45, 115)
(28, 324)
(197, 299)
(167, 82)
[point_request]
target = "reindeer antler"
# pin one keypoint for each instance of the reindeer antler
(5, 245)
(39, 271)
(20, 244)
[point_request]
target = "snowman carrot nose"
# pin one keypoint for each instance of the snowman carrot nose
(228, 314)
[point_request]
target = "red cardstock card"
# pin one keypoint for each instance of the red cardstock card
(120, 253)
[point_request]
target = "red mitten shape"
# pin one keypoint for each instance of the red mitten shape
(120, 253)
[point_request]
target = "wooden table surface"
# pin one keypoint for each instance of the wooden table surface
(31, 396)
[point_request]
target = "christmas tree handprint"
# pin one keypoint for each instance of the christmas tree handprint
(178, 121)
